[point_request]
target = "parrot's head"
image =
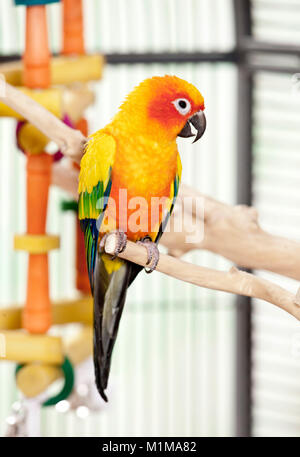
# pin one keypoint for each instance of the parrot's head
(164, 107)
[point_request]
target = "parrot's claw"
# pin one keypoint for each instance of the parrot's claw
(120, 245)
(152, 253)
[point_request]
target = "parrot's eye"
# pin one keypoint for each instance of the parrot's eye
(182, 105)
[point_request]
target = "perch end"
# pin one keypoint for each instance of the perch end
(297, 297)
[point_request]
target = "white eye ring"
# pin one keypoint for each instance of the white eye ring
(182, 105)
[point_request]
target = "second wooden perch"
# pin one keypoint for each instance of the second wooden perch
(233, 281)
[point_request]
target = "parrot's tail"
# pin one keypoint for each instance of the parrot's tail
(109, 298)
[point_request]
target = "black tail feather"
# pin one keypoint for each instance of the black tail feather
(109, 298)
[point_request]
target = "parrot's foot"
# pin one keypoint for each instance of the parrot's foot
(152, 253)
(120, 244)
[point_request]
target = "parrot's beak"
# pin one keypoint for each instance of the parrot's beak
(198, 120)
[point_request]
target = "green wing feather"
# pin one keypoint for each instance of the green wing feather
(91, 205)
(172, 199)
(94, 189)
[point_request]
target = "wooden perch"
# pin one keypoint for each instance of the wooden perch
(70, 141)
(230, 231)
(59, 101)
(234, 233)
(51, 99)
(65, 176)
(233, 281)
(76, 99)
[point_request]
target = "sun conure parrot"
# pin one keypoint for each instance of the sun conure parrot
(135, 153)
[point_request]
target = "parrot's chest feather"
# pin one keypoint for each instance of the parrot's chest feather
(145, 168)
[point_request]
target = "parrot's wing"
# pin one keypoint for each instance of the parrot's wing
(109, 279)
(94, 190)
(171, 202)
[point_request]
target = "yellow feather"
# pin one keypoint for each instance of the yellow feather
(179, 166)
(97, 160)
(111, 265)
